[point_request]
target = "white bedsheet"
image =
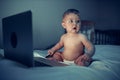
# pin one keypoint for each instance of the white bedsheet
(106, 67)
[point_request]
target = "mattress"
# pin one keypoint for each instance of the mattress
(106, 66)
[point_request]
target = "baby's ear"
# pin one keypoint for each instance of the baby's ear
(63, 25)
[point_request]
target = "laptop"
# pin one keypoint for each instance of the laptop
(18, 41)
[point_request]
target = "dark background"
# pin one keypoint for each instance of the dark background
(47, 16)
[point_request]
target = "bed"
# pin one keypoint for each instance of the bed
(106, 64)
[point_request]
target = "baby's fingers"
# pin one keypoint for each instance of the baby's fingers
(50, 52)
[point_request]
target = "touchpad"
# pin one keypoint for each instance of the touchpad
(13, 40)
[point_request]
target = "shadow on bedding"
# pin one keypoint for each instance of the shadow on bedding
(93, 60)
(99, 65)
(1, 56)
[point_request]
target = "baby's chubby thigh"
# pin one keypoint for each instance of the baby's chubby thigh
(58, 56)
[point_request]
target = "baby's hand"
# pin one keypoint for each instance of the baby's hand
(50, 52)
(82, 59)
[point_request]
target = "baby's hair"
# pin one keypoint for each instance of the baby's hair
(75, 11)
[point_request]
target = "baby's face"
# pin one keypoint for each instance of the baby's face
(71, 23)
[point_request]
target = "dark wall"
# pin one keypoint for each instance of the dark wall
(47, 15)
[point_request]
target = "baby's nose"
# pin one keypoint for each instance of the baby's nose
(74, 24)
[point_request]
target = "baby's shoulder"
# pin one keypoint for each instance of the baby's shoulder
(82, 36)
(63, 36)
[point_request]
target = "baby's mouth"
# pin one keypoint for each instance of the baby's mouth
(74, 28)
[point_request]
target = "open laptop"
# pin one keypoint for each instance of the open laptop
(18, 41)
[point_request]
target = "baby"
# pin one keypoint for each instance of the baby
(73, 41)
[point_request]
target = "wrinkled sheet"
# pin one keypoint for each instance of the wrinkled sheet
(106, 66)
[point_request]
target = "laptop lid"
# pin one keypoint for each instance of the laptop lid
(17, 38)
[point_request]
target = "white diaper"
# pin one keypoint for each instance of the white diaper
(69, 62)
(72, 63)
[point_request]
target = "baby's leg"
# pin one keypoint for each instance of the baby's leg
(83, 63)
(57, 57)
(79, 63)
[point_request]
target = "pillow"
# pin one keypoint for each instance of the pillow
(87, 28)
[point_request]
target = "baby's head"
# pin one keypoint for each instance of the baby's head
(74, 11)
(71, 20)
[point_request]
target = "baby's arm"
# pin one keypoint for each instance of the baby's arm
(90, 48)
(86, 57)
(56, 47)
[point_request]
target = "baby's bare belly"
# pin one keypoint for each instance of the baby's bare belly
(71, 55)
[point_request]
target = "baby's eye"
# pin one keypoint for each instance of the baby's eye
(78, 21)
(71, 21)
